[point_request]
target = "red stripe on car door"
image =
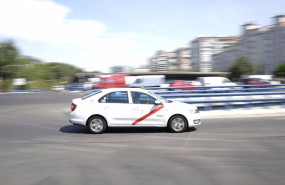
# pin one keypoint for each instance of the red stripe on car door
(147, 115)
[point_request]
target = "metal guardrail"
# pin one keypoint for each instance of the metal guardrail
(219, 87)
(219, 90)
(237, 100)
(210, 98)
(221, 94)
(230, 103)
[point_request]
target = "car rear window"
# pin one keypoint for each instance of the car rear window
(91, 94)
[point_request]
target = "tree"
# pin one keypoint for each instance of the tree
(242, 66)
(279, 71)
(8, 56)
(40, 75)
(61, 70)
(8, 53)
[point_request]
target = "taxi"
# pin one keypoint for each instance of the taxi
(131, 107)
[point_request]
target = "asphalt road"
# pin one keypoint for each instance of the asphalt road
(38, 146)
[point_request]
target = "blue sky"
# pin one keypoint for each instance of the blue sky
(95, 35)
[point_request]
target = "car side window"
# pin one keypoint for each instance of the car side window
(115, 97)
(142, 98)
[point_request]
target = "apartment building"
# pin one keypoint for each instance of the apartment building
(176, 60)
(172, 63)
(121, 69)
(159, 62)
(264, 46)
(184, 58)
(203, 48)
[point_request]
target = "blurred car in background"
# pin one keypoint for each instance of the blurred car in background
(75, 87)
(87, 86)
(258, 80)
(149, 81)
(254, 81)
(215, 81)
(58, 88)
(110, 81)
(185, 83)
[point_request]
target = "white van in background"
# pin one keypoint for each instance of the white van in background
(148, 81)
(215, 81)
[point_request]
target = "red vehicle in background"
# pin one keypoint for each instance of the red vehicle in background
(111, 81)
(185, 83)
(255, 81)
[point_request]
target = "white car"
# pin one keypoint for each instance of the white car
(57, 88)
(131, 107)
(215, 81)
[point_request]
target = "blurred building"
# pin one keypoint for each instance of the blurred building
(121, 69)
(172, 62)
(264, 46)
(159, 62)
(141, 69)
(203, 48)
(184, 58)
(152, 64)
(164, 61)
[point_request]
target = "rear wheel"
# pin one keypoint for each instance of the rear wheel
(177, 124)
(97, 125)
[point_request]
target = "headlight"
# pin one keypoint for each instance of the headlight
(194, 111)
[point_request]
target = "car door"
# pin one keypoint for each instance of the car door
(145, 111)
(116, 108)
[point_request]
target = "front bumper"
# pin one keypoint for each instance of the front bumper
(194, 119)
(197, 121)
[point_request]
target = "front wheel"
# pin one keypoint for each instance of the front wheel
(97, 125)
(177, 124)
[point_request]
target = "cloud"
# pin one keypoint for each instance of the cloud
(43, 29)
(47, 21)
(134, 59)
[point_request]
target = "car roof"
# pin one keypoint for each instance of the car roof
(123, 89)
(212, 77)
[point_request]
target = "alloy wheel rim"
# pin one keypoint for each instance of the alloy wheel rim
(97, 125)
(178, 124)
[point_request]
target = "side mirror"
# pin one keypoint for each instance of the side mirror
(157, 102)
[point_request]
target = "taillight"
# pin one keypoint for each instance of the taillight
(73, 107)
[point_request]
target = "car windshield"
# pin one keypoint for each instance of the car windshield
(91, 94)
(157, 96)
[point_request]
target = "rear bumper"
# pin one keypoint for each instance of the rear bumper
(73, 123)
(76, 119)
(76, 122)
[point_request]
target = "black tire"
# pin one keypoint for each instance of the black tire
(177, 124)
(97, 124)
